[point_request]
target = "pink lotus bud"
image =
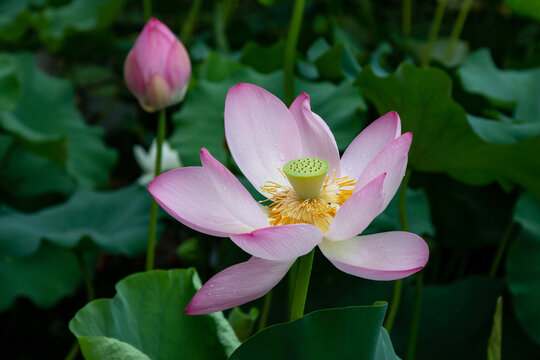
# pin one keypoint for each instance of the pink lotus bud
(157, 69)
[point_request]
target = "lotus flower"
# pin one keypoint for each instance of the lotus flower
(147, 160)
(314, 197)
(157, 69)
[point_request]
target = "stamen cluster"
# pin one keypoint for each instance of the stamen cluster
(286, 207)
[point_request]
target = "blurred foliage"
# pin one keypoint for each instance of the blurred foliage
(54, 148)
(523, 268)
(443, 140)
(113, 226)
(46, 276)
(68, 125)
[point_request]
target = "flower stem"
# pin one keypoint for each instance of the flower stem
(398, 284)
(290, 49)
(406, 17)
(73, 351)
(90, 295)
(87, 278)
(369, 19)
(394, 305)
(403, 201)
(301, 287)
(147, 9)
(458, 26)
(265, 310)
(292, 283)
(417, 310)
(433, 32)
(189, 24)
(222, 10)
(503, 245)
(150, 252)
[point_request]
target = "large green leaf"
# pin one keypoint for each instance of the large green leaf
(115, 221)
(16, 17)
(264, 59)
(530, 8)
(5, 143)
(503, 132)
(78, 16)
(26, 174)
(146, 320)
(507, 88)
(443, 140)
(418, 216)
(346, 333)
(52, 147)
(523, 267)
(9, 83)
(199, 123)
(333, 62)
(44, 277)
(455, 322)
(46, 117)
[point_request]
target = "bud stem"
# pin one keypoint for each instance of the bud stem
(147, 9)
(290, 49)
(150, 252)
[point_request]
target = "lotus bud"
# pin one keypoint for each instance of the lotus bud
(157, 69)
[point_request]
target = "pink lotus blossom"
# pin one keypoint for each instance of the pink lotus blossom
(157, 69)
(263, 135)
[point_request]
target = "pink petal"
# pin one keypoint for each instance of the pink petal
(208, 199)
(317, 139)
(133, 76)
(284, 242)
(238, 285)
(358, 211)
(152, 47)
(392, 160)
(158, 94)
(384, 256)
(178, 71)
(233, 195)
(261, 133)
(369, 143)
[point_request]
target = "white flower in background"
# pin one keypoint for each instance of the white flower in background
(146, 160)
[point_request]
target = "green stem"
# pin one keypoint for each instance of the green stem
(265, 310)
(369, 18)
(403, 200)
(301, 287)
(220, 24)
(147, 9)
(433, 32)
(150, 252)
(292, 283)
(503, 245)
(406, 17)
(87, 278)
(398, 284)
(417, 310)
(394, 305)
(73, 351)
(458, 26)
(90, 295)
(290, 49)
(191, 19)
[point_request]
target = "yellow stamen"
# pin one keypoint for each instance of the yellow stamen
(287, 207)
